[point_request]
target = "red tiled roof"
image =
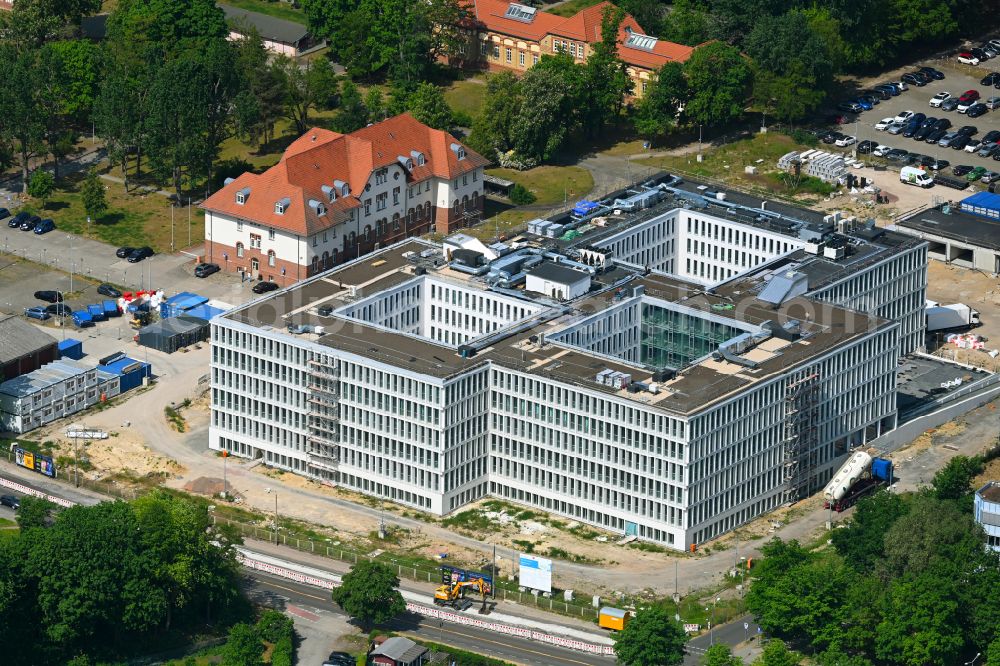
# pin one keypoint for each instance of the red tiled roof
(662, 53)
(585, 25)
(491, 13)
(319, 157)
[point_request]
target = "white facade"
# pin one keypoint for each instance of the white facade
(54, 391)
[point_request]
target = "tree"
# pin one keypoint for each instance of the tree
(862, 542)
(542, 124)
(22, 123)
(606, 79)
(921, 623)
(369, 592)
(427, 104)
(993, 653)
(954, 480)
(651, 638)
(720, 655)
(687, 23)
(42, 184)
(658, 112)
(33, 512)
(375, 105)
(935, 535)
(36, 20)
(352, 114)
(718, 77)
(492, 131)
(92, 191)
(776, 653)
(243, 647)
(305, 88)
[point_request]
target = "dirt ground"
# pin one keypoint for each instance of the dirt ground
(951, 284)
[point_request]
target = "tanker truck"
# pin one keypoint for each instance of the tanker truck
(861, 475)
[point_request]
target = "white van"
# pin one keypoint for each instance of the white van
(915, 176)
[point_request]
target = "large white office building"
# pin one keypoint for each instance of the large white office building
(709, 372)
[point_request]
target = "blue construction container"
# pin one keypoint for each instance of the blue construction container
(138, 306)
(882, 469)
(71, 348)
(96, 312)
(111, 309)
(82, 319)
(205, 312)
(983, 204)
(130, 371)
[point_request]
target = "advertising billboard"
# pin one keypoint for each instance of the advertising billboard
(452, 575)
(35, 462)
(535, 573)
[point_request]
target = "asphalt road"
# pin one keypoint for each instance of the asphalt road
(956, 81)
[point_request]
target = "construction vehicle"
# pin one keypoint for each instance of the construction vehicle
(861, 475)
(453, 595)
(140, 318)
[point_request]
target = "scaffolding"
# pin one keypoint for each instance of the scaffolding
(801, 433)
(324, 418)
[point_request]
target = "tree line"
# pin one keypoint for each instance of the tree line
(103, 582)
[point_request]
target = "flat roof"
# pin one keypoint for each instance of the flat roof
(991, 491)
(18, 338)
(555, 273)
(270, 28)
(956, 225)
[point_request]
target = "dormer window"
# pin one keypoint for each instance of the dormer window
(330, 192)
(281, 206)
(317, 206)
(458, 150)
(418, 157)
(242, 195)
(341, 187)
(406, 162)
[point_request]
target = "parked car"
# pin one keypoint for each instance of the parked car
(947, 139)
(850, 107)
(949, 104)
(45, 226)
(37, 312)
(59, 310)
(49, 296)
(961, 170)
(866, 147)
(29, 223)
(937, 164)
(865, 105)
(936, 135)
(992, 135)
(989, 79)
(986, 149)
(123, 252)
(884, 124)
(845, 141)
(973, 146)
(969, 130)
(910, 129)
(204, 270)
(4, 213)
(109, 290)
(939, 98)
(942, 123)
(975, 174)
(896, 127)
(935, 74)
(976, 110)
(914, 80)
(16, 221)
(340, 659)
(970, 95)
(870, 100)
(980, 53)
(992, 103)
(889, 88)
(10, 500)
(324, 310)
(996, 155)
(959, 142)
(921, 134)
(831, 137)
(967, 58)
(881, 150)
(990, 177)
(897, 155)
(903, 116)
(878, 93)
(263, 287)
(139, 254)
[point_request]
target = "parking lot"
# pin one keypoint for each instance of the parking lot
(916, 99)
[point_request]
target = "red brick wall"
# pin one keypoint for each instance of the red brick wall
(447, 220)
(216, 253)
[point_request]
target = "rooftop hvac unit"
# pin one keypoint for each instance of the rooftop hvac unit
(813, 248)
(602, 376)
(833, 252)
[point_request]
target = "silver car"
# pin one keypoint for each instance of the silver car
(896, 128)
(947, 138)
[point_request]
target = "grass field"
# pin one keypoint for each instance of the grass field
(267, 155)
(276, 9)
(551, 184)
(570, 8)
(466, 96)
(132, 218)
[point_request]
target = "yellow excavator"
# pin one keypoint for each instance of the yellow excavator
(452, 595)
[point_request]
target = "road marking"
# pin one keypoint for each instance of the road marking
(289, 589)
(303, 613)
(506, 645)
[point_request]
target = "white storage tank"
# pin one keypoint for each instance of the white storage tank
(847, 475)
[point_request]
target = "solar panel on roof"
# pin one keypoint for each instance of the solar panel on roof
(643, 42)
(520, 13)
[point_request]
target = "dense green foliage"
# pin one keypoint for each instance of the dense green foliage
(651, 638)
(106, 580)
(720, 655)
(369, 593)
(908, 582)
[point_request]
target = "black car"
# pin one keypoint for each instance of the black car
(911, 130)
(989, 79)
(996, 155)
(4, 213)
(866, 147)
(936, 135)
(922, 133)
(29, 223)
(968, 130)
(960, 142)
(961, 170)
(16, 221)
(59, 310)
(324, 310)
(263, 287)
(979, 53)
(139, 254)
(878, 93)
(340, 659)
(109, 291)
(897, 155)
(204, 270)
(937, 165)
(935, 74)
(832, 137)
(913, 80)
(10, 500)
(892, 91)
(976, 110)
(49, 296)
(942, 123)
(992, 135)
(850, 107)
(123, 252)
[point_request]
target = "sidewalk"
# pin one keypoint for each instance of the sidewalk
(504, 611)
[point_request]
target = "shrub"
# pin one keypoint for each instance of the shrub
(805, 138)
(521, 195)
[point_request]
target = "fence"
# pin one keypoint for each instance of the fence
(247, 560)
(418, 574)
(14, 485)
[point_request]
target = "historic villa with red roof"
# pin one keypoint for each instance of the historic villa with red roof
(514, 36)
(334, 197)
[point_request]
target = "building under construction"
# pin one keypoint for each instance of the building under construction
(704, 375)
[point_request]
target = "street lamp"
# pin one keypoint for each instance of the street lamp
(711, 627)
(973, 662)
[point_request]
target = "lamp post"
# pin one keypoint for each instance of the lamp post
(973, 662)
(711, 627)
(225, 479)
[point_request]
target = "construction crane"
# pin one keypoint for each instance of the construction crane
(452, 595)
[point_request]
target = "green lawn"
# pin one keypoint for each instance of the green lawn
(280, 10)
(571, 7)
(132, 218)
(551, 185)
(466, 96)
(4, 522)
